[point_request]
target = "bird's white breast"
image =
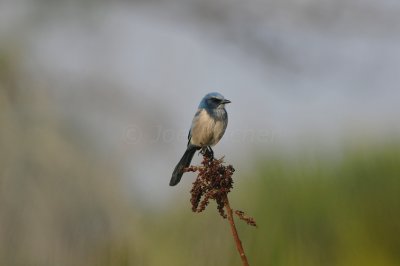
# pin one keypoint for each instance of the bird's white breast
(205, 130)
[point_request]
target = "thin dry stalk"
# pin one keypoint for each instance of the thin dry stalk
(235, 233)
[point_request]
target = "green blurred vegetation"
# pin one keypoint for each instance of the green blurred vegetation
(60, 204)
(328, 211)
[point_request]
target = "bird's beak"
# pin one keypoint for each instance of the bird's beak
(226, 101)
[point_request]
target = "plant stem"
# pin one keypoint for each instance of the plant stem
(235, 233)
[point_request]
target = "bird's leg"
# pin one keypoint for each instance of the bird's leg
(203, 150)
(209, 152)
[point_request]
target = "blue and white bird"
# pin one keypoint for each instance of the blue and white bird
(208, 127)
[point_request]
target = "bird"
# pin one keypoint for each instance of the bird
(208, 127)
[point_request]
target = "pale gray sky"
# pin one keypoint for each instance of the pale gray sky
(290, 85)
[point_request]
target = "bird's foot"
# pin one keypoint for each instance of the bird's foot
(208, 152)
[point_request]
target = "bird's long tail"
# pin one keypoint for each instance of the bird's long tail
(183, 163)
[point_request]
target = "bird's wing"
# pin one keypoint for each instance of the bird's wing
(189, 136)
(191, 127)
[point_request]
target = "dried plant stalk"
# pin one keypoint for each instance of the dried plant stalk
(235, 233)
(214, 182)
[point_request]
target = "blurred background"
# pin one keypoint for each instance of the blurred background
(96, 98)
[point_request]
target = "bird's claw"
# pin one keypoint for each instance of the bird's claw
(207, 151)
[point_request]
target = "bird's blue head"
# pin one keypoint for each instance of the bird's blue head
(213, 100)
